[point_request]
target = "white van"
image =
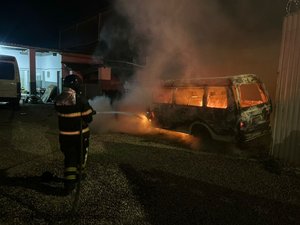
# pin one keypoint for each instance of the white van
(232, 109)
(10, 87)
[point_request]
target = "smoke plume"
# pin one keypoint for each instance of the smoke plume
(197, 38)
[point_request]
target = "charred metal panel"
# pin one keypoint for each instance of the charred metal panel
(286, 135)
(211, 81)
(257, 120)
(246, 79)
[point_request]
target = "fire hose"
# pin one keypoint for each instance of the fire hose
(117, 112)
(81, 151)
(80, 168)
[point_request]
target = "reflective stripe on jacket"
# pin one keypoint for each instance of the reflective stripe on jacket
(77, 114)
(70, 116)
(74, 132)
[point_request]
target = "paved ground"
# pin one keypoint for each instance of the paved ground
(139, 179)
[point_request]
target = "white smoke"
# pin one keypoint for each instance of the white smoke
(101, 104)
(194, 38)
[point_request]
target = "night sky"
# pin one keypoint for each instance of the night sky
(37, 23)
(34, 23)
(30, 22)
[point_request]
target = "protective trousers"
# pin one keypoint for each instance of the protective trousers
(71, 151)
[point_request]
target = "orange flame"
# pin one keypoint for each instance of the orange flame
(137, 126)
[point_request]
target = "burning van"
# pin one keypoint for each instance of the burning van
(231, 109)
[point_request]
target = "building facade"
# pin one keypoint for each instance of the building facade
(39, 67)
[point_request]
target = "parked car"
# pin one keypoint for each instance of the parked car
(231, 109)
(10, 90)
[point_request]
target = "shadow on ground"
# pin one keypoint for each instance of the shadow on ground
(40, 184)
(256, 148)
(171, 199)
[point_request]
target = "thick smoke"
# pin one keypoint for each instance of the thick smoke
(178, 35)
(132, 123)
(197, 38)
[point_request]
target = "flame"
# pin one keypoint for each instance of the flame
(252, 94)
(142, 126)
(179, 137)
(247, 103)
(216, 96)
(217, 103)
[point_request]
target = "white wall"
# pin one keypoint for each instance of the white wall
(23, 60)
(49, 63)
(44, 62)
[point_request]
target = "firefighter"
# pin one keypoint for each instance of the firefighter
(73, 110)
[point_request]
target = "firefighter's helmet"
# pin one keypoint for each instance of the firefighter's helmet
(74, 82)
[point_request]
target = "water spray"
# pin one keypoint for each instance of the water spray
(117, 112)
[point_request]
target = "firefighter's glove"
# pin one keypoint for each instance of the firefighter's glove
(94, 112)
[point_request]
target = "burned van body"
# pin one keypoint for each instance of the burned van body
(232, 109)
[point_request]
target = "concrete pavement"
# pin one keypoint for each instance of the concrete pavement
(137, 179)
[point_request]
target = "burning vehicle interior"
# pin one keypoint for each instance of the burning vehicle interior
(231, 109)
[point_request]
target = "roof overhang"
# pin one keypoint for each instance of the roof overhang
(81, 62)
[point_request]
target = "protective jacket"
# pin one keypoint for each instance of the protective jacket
(71, 107)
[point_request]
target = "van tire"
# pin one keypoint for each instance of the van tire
(202, 133)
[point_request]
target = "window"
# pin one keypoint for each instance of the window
(48, 74)
(7, 71)
(189, 96)
(217, 97)
(252, 94)
(163, 95)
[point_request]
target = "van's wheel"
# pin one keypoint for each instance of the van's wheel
(203, 134)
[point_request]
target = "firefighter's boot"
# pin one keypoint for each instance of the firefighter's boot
(70, 179)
